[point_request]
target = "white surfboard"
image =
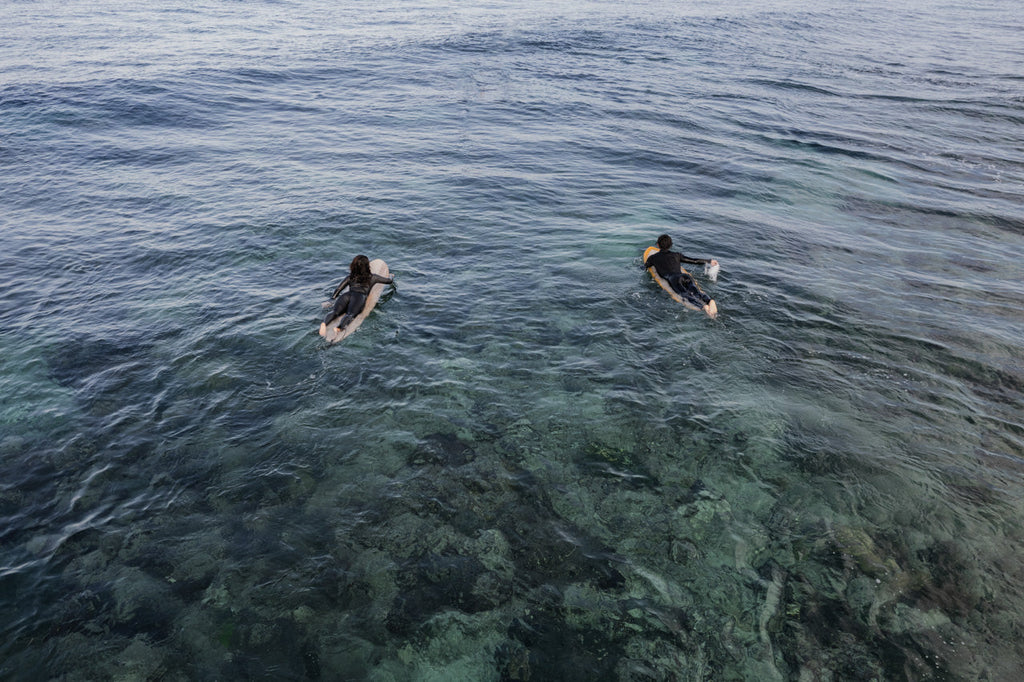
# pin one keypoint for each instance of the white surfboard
(377, 267)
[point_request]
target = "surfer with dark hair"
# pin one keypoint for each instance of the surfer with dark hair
(668, 266)
(350, 303)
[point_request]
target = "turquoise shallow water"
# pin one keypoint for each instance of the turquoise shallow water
(528, 463)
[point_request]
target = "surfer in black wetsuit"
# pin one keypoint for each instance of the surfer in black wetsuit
(350, 304)
(668, 266)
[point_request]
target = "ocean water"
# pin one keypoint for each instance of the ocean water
(529, 463)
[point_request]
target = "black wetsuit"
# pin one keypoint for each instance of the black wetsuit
(352, 301)
(668, 266)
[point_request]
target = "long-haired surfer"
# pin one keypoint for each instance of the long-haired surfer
(350, 303)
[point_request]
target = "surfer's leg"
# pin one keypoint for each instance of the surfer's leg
(698, 294)
(686, 286)
(700, 299)
(355, 306)
(340, 306)
(680, 283)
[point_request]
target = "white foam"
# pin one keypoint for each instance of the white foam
(711, 271)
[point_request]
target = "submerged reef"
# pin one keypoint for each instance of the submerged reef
(482, 557)
(498, 548)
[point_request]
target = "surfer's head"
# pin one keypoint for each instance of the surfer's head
(664, 242)
(359, 270)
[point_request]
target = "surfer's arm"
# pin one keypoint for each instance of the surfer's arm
(377, 279)
(696, 261)
(344, 283)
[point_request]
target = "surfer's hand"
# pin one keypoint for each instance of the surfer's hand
(713, 262)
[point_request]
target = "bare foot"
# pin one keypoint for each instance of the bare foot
(323, 328)
(336, 330)
(711, 309)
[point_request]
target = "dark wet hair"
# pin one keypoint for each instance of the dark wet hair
(359, 270)
(664, 242)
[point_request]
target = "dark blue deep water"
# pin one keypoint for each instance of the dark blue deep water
(529, 463)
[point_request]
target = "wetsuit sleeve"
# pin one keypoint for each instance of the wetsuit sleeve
(694, 261)
(341, 286)
(655, 260)
(377, 279)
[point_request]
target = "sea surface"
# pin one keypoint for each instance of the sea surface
(529, 463)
